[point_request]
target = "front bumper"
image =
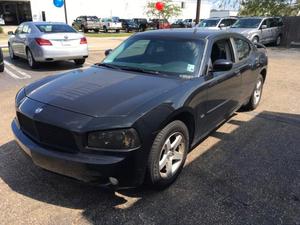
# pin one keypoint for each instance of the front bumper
(93, 168)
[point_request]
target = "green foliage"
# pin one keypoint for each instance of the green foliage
(1, 30)
(268, 8)
(170, 10)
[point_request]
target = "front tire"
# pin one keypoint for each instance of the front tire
(278, 41)
(79, 62)
(30, 59)
(255, 39)
(256, 94)
(11, 53)
(168, 154)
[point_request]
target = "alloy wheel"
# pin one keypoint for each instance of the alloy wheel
(29, 58)
(172, 155)
(257, 92)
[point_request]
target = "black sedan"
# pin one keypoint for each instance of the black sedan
(135, 116)
(1, 61)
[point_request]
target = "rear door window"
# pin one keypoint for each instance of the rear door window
(222, 49)
(243, 48)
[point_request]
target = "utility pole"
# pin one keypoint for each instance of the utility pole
(65, 7)
(198, 11)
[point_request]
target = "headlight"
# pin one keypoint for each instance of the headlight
(20, 96)
(116, 139)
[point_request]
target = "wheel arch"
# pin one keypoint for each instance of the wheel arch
(263, 72)
(185, 115)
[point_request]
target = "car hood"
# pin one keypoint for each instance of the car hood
(100, 92)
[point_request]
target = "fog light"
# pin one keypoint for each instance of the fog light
(113, 181)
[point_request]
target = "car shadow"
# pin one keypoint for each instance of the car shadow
(43, 67)
(247, 172)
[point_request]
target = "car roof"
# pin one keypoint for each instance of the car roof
(186, 32)
(44, 23)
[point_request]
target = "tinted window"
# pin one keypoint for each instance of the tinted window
(19, 29)
(209, 23)
(162, 55)
(267, 22)
(221, 50)
(92, 18)
(247, 23)
(227, 22)
(26, 29)
(55, 28)
(243, 48)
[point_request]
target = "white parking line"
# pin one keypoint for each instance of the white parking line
(24, 75)
(10, 73)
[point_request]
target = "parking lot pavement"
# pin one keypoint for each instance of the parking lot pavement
(246, 172)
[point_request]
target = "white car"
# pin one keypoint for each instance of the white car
(216, 23)
(109, 24)
(47, 42)
(2, 22)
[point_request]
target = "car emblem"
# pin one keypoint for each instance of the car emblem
(66, 37)
(38, 110)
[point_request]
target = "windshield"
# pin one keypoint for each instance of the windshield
(157, 55)
(92, 18)
(247, 23)
(56, 28)
(209, 23)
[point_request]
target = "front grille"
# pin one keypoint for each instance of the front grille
(48, 135)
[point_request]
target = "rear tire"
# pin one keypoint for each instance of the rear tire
(278, 41)
(96, 30)
(105, 30)
(256, 95)
(168, 154)
(79, 62)
(1, 68)
(31, 61)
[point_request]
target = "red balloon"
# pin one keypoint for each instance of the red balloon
(159, 6)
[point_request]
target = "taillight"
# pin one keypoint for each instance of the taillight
(43, 42)
(83, 41)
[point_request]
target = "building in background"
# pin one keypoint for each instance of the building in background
(223, 13)
(17, 11)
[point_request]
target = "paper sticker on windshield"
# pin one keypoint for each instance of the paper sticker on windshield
(190, 68)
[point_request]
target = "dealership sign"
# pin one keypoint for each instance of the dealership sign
(58, 3)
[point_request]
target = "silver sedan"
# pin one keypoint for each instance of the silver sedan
(47, 42)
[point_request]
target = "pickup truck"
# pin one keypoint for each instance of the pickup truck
(107, 24)
(87, 23)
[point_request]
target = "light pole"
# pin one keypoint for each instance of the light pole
(198, 11)
(65, 7)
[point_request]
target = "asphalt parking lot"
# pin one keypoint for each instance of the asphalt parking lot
(246, 172)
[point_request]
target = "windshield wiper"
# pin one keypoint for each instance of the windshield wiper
(107, 65)
(136, 69)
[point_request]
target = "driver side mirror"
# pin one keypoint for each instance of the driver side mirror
(10, 33)
(264, 27)
(222, 65)
(107, 52)
(222, 25)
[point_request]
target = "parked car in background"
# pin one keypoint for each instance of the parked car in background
(1, 61)
(108, 24)
(159, 24)
(216, 23)
(136, 115)
(129, 25)
(47, 42)
(142, 23)
(87, 23)
(189, 23)
(260, 29)
(178, 24)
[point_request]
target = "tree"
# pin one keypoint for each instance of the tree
(170, 10)
(269, 8)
